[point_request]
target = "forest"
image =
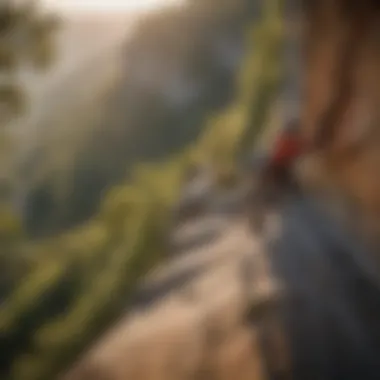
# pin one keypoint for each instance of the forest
(71, 259)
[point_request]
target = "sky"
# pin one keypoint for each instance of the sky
(106, 5)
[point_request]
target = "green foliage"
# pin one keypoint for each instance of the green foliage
(233, 132)
(104, 260)
(10, 226)
(135, 241)
(264, 70)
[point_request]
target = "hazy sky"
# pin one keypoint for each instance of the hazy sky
(106, 5)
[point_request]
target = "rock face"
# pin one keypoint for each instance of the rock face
(195, 329)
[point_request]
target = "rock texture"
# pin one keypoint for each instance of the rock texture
(195, 329)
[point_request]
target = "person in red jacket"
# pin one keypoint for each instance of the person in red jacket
(287, 147)
(273, 175)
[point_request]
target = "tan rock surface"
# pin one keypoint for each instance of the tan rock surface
(197, 331)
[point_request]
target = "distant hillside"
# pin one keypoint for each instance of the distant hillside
(175, 68)
(62, 101)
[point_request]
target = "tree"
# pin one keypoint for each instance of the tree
(26, 41)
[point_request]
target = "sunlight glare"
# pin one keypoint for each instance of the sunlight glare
(108, 5)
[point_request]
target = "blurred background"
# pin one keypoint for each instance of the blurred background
(127, 129)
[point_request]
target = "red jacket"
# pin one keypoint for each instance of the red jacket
(286, 149)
